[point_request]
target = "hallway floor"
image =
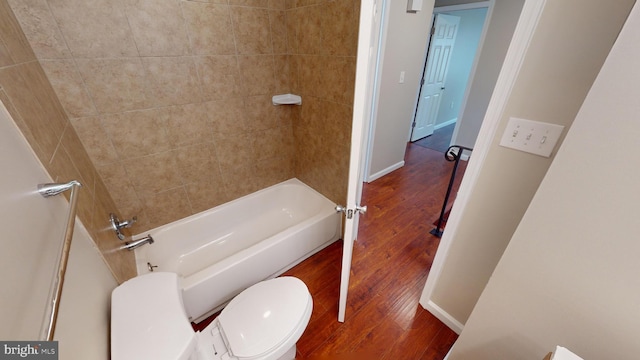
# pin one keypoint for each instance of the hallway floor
(391, 261)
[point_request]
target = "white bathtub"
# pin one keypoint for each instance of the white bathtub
(222, 251)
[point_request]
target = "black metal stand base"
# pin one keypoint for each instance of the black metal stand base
(452, 154)
(436, 232)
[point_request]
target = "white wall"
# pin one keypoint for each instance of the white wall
(494, 49)
(32, 236)
(404, 50)
(563, 58)
(570, 274)
(462, 58)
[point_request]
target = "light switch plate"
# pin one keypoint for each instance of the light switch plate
(530, 136)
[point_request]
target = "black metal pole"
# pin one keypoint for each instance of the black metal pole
(450, 155)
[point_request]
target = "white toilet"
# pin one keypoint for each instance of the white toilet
(148, 321)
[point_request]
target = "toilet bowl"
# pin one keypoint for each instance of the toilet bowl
(264, 322)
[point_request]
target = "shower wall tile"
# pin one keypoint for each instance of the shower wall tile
(227, 116)
(251, 3)
(252, 30)
(189, 124)
(258, 76)
(172, 80)
(41, 29)
(207, 194)
(95, 140)
(173, 102)
(138, 133)
(158, 27)
(69, 87)
(148, 176)
(167, 206)
(115, 85)
(34, 105)
(208, 26)
(219, 77)
(15, 43)
(94, 29)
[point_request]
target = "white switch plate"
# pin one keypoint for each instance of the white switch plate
(401, 77)
(531, 136)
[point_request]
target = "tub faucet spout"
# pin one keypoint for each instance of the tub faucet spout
(137, 243)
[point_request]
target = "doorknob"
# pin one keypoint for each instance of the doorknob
(361, 209)
(349, 212)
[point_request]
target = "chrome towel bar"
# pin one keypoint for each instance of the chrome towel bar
(48, 190)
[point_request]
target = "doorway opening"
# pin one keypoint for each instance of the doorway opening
(450, 60)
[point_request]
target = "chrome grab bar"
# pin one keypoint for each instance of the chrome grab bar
(48, 190)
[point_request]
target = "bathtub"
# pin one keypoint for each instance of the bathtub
(222, 251)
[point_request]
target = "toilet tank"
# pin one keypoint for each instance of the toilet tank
(148, 320)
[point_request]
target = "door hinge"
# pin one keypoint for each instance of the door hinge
(433, 29)
(421, 81)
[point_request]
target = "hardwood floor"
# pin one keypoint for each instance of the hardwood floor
(439, 140)
(391, 261)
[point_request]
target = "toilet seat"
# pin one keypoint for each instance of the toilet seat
(148, 321)
(265, 316)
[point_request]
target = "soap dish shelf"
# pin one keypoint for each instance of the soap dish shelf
(287, 99)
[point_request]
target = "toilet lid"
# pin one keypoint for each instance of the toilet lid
(148, 320)
(265, 315)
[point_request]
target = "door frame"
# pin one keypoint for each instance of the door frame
(529, 17)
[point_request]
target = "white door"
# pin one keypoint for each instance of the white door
(370, 16)
(445, 29)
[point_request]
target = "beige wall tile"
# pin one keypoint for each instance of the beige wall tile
(235, 150)
(69, 87)
(189, 124)
(219, 77)
(117, 182)
(15, 42)
(227, 116)
(158, 27)
(240, 179)
(154, 173)
(21, 86)
(198, 163)
(167, 206)
(340, 30)
(278, 4)
(41, 29)
(94, 29)
(309, 30)
(5, 56)
(261, 114)
(258, 77)
(278, 31)
(95, 140)
(206, 195)
(252, 30)
(172, 80)
(274, 170)
(115, 85)
(209, 28)
(283, 74)
(81, 160)
(138, 133)
(252, 3)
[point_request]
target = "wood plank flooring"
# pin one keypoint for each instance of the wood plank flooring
(391, 261)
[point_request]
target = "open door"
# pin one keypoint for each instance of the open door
(368, 42)
(443, 37)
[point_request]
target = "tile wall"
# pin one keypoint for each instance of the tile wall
(32, 102)
(172, 99)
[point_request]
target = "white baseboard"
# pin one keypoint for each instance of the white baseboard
(384, 172)
(446, 123)
(444, 316)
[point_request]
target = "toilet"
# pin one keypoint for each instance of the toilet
(264, 322)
